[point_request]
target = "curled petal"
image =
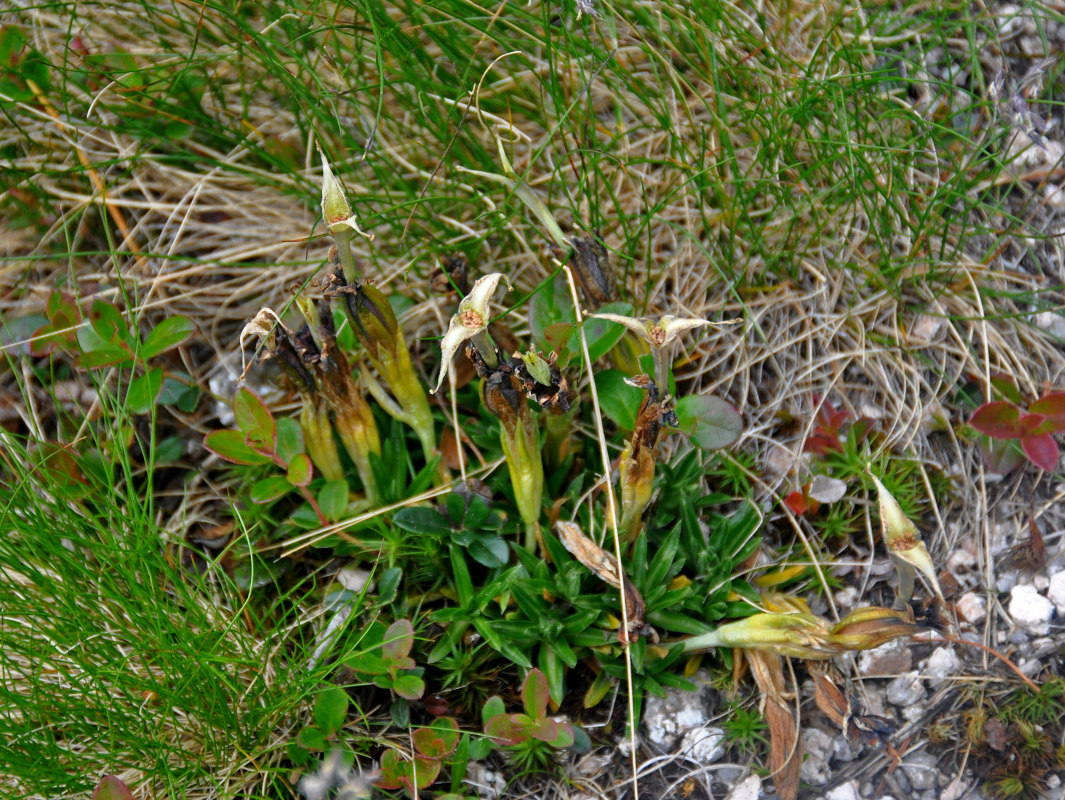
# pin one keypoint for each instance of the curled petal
(475, 311)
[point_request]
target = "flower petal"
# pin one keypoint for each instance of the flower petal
(674, 326)
(638, 325)
(480, 296)
(457, 333)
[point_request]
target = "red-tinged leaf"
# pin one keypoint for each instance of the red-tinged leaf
(255, 419)
(999, 420)
(393, 767)
(171, 332)
(1052, 406)
(427, 743)
(565, 738)
(822, 444)
(46, 339)
(408, 686)
(1042, 451)
(534, 694)
(503, 729)
(300, 470)
(546, 730)
(1031, 424)
(447, 730)
(111, 788)
(62, 310)
(398, 641)
(797, 502)
(230, 446)
(425, 771)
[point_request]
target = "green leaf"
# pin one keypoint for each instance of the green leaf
(713, 423)
(111, 788)
(144, 391)
(230, 446)
(409, 686)
(554, 672)
(398, 641)
(534, 694)
(269, 489)
(492, 707)
(619, 401)
(289, 439)
(399, 711)
(255, 419)
(603, 334)
(491, 551)
(550, 305)
(418, 519)
(330, 709)
(300, 470)
(333, 500)
(171, 332)
(170, 450)
(311, 738)
(460, 573)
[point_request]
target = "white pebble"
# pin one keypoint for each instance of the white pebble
(1056, 591)
(972, 607)
(1030, 610)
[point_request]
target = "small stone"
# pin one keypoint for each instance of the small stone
(817, 745)
(668, 718)
(1056, 591)
(942, 664)
(972, 607)
(488, 783)
(921, 769)
(845, 791)
(1030, 610)
(848, 597)
(1041, 582)
(704, 745)
(955, 790)
(906, 690)
(1005, 583)
(1054, 195)
(961, 561)
(842, 749)
(748, 789)
(354, 579)
(892, 658)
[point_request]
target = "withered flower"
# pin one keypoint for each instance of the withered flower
(503, 393)
(904, 545)
(339, 218)
(660, 334)
(470, 322)
(804, 635)
(375, 326)
(637, 462)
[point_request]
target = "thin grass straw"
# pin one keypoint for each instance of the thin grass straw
(601, 438)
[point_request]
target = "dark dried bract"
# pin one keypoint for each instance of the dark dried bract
(591, 263)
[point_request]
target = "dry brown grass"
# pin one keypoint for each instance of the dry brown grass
(217, 235)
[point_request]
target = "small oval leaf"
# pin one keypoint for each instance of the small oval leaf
(230, 446)
(713, 423)
(300, 470)
(169, 333)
